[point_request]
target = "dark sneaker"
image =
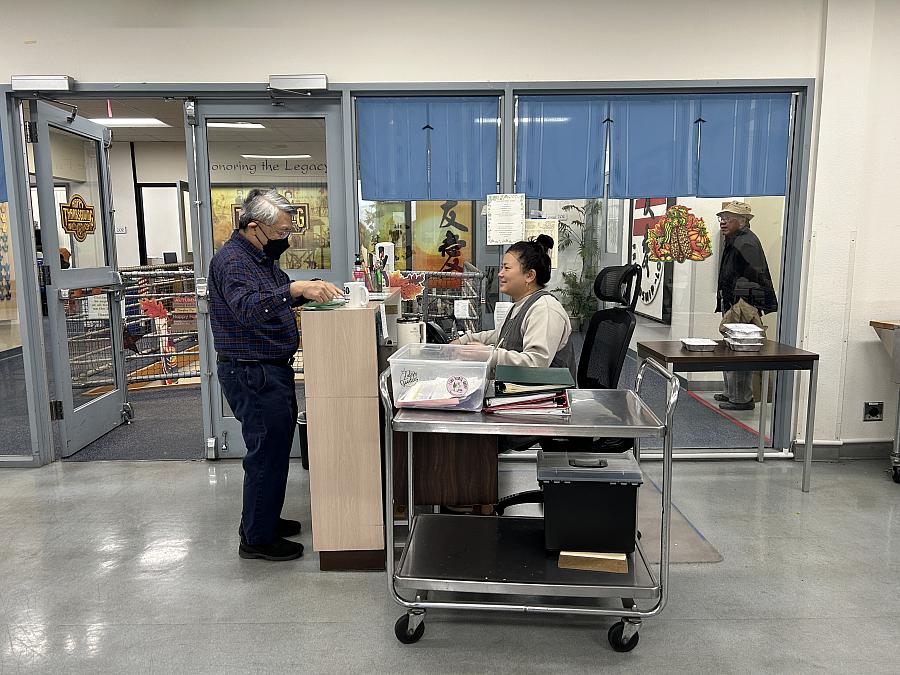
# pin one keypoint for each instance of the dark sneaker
(285, 528)
(721, 397)
(728, 405)
(280, 549)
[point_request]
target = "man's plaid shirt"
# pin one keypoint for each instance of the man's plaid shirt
(250, 304)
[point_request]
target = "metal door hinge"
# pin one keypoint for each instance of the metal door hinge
(127, 412)
(202, 291)
(211, 450)
(190, 111)
(31, 132)
(56, 410)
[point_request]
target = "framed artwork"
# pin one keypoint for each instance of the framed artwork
(655, 301)
(311, 240)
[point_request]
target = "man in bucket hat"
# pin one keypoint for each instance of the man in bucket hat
(745, 291)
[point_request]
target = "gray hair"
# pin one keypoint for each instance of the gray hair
(264, 206)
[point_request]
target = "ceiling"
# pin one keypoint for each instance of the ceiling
(170, 111)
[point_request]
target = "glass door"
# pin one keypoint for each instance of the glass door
(295, 147)
(81, 277)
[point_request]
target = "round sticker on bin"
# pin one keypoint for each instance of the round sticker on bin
(458, 385)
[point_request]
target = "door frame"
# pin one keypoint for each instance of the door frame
(81, 425)
(223, 434)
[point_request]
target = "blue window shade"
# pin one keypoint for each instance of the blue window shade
(561, 146)
(653, 146)
(427, 147)
(744, 145)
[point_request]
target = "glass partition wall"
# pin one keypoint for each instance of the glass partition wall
(640, 180)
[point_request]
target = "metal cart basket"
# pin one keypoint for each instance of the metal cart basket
(468, 558)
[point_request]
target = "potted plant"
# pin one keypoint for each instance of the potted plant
(577, 290)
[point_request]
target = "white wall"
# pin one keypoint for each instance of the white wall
(853, 53)
(122, 179)
(851, 273)
(414, 40)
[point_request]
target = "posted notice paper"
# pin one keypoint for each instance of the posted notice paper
(548, 226)
(505, 219)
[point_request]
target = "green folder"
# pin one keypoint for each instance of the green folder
(520, 379)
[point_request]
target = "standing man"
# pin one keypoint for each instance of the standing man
(255, 336)
(745, 291)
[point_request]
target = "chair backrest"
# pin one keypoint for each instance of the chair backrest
(609, 331)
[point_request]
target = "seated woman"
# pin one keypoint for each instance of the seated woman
(536, 332)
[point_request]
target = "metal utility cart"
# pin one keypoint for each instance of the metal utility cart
(471, 557)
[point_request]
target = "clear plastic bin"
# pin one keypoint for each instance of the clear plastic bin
(442, 377)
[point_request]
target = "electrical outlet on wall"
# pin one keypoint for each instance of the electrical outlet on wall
(873, 411)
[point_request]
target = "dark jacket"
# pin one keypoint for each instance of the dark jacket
(744, 273)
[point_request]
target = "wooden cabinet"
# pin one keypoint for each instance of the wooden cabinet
(340, 358)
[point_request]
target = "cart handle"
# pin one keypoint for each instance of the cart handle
(673, 381)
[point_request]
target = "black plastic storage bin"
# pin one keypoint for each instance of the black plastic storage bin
(590, 500)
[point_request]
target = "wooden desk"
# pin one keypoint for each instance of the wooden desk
(773, 356)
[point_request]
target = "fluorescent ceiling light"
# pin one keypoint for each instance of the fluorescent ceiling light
(276, 156)
(129, 121)
(236, 125)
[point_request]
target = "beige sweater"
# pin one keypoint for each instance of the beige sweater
(546, 330)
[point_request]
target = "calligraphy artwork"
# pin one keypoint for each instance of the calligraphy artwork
(442, 238)
(678, 236)
(449, 217)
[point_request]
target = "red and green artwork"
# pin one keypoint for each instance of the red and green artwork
(679, 236)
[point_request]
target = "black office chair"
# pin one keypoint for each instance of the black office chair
(602, 357)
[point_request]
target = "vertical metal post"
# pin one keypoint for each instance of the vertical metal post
(410, 504)
(763, 413)
(810, 423)
(388, 481)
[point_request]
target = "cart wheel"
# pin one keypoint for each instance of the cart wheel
(895, 474)
(401, 630)
(615, 638)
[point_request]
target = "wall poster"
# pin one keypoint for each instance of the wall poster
(311, 241)
(655, 301)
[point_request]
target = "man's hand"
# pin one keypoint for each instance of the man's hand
(317, 291)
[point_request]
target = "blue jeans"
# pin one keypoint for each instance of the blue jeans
(263, 400)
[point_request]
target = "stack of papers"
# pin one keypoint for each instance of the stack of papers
(529, 404)
(436, 394)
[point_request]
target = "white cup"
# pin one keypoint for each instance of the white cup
(356, 293)
(410, 332)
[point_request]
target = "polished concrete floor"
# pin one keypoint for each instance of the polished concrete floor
(132, 567)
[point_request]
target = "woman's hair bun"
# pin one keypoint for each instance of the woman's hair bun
(544, 241)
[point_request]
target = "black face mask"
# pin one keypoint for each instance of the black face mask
(273, 248)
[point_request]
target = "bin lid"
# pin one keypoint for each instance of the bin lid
(596, 467)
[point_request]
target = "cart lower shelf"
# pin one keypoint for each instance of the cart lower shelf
(506, 555)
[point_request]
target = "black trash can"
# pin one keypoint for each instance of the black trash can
(590, 500)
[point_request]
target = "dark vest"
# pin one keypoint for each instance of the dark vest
(511, 336)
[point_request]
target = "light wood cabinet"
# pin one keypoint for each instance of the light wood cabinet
(340, 363)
